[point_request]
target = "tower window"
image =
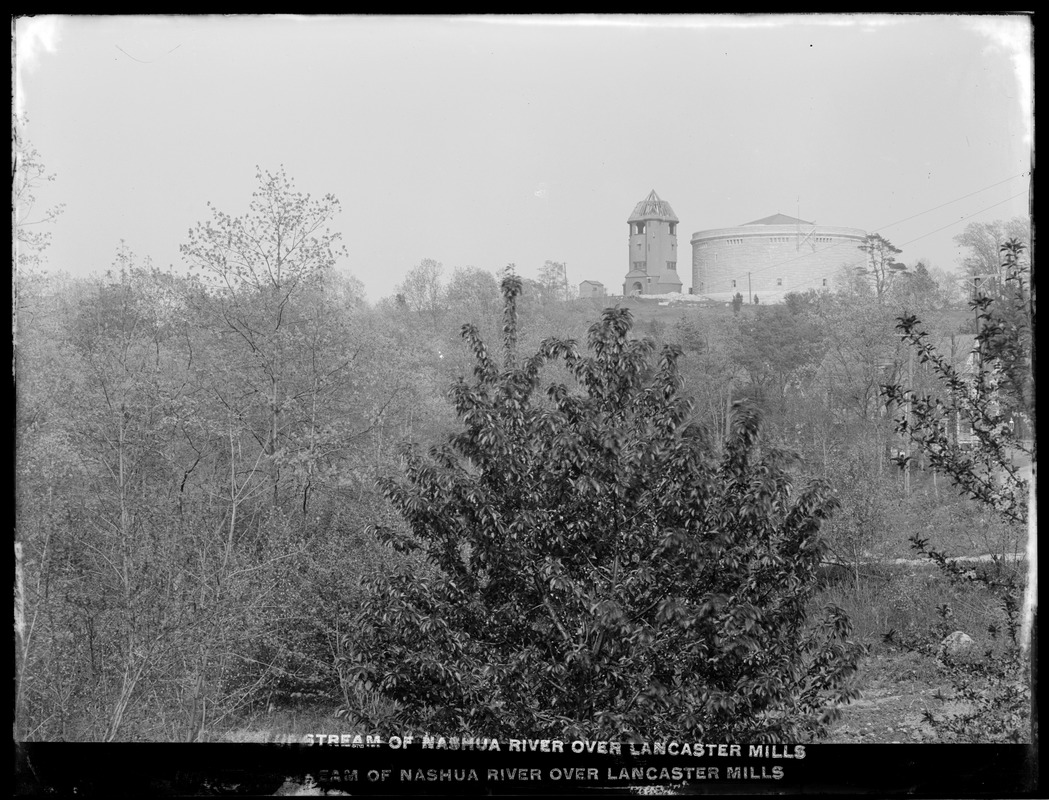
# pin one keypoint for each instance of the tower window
(672, 265)
(779, 281)
(639, 265)
(673, 228)
(824, 281)
(639, 227)
(733, 284)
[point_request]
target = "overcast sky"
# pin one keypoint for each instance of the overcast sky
(484, 141)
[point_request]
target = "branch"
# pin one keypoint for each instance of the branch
(550, 610)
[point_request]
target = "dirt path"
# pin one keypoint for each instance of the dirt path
(869, 560)
(896, 690)
(883, 715)
(987, 558)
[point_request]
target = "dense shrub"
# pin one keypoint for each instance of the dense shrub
(597, 568)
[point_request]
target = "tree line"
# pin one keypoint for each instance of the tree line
(206, 494)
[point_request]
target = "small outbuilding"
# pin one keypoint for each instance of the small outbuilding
(592, 289)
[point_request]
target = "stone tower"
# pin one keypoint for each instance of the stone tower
(652, 267)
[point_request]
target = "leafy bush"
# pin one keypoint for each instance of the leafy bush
(985, 689)
(992, 396)
(597, 568)
(993, 701)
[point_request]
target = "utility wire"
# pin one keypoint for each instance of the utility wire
(961, 219)
(900, 221)
(955, 200)
(909, 241)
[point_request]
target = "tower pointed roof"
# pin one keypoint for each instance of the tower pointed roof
(653, 208)
(779, 219)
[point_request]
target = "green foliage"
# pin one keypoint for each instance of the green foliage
(880, 265)
(712, 376)
(860, 352)
(997, 386)
(995, 700)
(29, 175)
(985, 692)
(777, 347)
(916, 287)
(196, 460)
(863, 524)
(423, 292)
(473, 293)
(553, 278)
(595, 569)
(1005, 332)
(275, 248)
(983, 242)
(808, 301)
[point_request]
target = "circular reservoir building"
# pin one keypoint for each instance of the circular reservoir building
(771, 257)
